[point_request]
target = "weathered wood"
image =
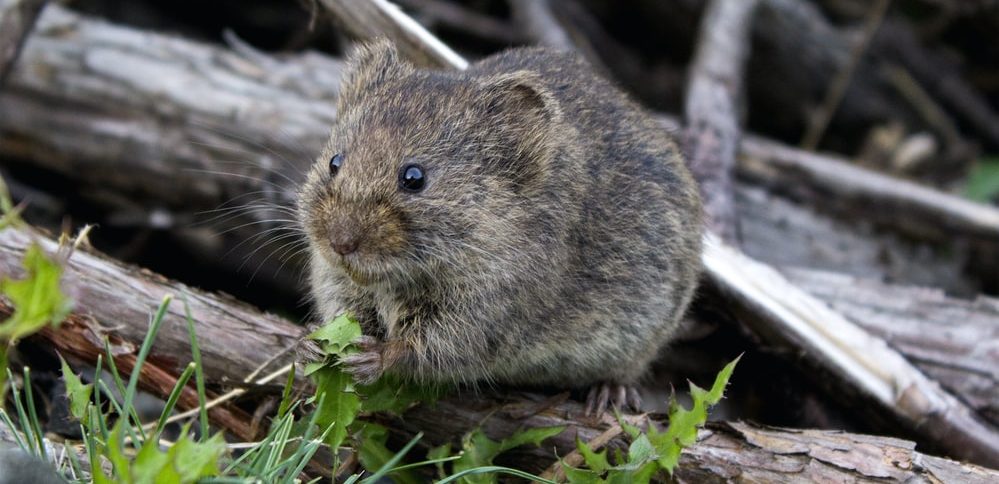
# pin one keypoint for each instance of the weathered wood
(714, 92)
(17, 17)
(725, 451)
(122, 137)
(117, 299)
(943, 335)
(465, 19)
(786, 316)
(539, 24)
(833, 183)
(373, 18)
(233, 336)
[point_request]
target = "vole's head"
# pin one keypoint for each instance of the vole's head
(425, 170)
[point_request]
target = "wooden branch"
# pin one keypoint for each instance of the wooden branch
(114, 298)
(535, 19)
(373, 18)
(724, 451)
(17, 17)
(830, 182)
(712, 103)
(952, 340)
(786, 316)
(455, 16)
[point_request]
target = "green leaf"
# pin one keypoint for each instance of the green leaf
(335, 337)
(37, 299)
(390, 394)
(194, 460)
(641, 451)
(595, 461)
(530, 436)
(152, 466)
(340, 403)
(374, 454)
(581, 476)
(478, 450)
(77, 393)
(683, 423)
(113, 451)
(983, 181)
(437, 453)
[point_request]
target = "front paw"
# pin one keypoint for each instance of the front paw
(367, 365)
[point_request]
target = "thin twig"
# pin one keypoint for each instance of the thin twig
(17, 17)
(837, 88)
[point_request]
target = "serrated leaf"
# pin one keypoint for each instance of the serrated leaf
(392, 395)
(340, 403)
(530, 436)
(194, 460)
(478, 450)
(337, 335)
(37, 299)
(640, 451)
(581, 476)
(683, 423)
(440, 452)
(595, 461)
(77, 393)
(373, 454)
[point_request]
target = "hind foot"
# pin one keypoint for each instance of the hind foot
(604, 395)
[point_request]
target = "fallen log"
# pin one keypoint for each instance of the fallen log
(234, 338)
(137, 147)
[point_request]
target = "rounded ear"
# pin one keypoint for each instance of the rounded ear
(369, 65)
(525, 114)
(520, 94)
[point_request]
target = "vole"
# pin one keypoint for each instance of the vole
(520, 222)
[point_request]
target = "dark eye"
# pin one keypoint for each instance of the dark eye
(411, 178)
(335, 163)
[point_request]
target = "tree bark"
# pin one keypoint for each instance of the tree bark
(725, 451)
(713, 98)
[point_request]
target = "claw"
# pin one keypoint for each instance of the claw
(365, 366)
(604, 395)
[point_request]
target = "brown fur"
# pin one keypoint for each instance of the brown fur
(556, 242)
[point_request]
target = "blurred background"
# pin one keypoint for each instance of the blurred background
(181, 130)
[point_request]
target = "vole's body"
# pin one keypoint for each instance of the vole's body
(556, 241)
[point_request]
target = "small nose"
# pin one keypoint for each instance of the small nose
(345, 244)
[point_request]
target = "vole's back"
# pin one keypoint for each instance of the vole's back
(635, 245)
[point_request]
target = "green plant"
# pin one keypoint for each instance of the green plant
(983, 181)
(652, 451)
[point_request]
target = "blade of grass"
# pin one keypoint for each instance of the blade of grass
(496, 470)
(33, 415)
(172, 399)
(385, 469)
(120, 384)
(199, 375)
(22, 416)
(147, 344)
(17, 435)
